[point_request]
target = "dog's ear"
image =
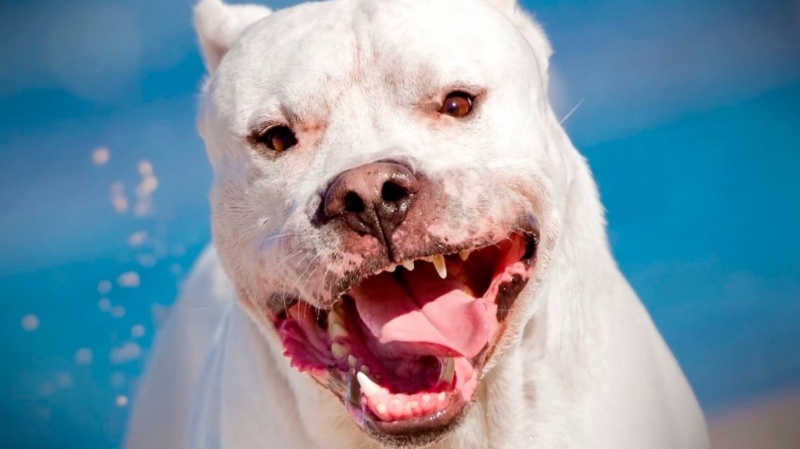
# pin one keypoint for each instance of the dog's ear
(530, 28)
(218, 26)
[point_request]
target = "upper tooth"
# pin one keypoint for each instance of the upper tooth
(339, 350)
(368, 387)
(448, 370)
(391, 268)
(336, 330)
(335, 316)
(441, 268)
(464, 254)
(409, 265)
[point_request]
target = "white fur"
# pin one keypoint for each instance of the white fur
(582, 365)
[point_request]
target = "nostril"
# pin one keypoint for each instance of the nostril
(353, 203)
(392, 192)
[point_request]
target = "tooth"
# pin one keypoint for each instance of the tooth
(352, 361)
(368, 387)
(336, 330)
(339, 350)
(409, 265)
(412, 405)
(335, 317)
(391, 268)
(441, 268)
(364, 369)
(448, 370)
(442, 396)
(464, 254)
(382, 410)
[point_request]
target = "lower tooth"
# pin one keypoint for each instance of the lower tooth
(448, 370)
(352, 361)
(368, 387)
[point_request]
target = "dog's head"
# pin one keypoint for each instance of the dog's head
(389, 185)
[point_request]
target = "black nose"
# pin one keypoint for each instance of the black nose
(373, 198)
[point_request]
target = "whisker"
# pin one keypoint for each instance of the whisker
(277, 236)
(570, 112)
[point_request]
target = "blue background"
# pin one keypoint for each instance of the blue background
(689, 114)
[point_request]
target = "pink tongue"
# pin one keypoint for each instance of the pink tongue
(426, 310)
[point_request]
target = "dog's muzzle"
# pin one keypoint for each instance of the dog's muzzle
(406, 333)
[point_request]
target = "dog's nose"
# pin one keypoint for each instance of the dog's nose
(373, 198)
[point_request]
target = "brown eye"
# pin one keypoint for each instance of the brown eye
(278, 138)
(457, 104)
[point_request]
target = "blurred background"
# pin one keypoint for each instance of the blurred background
(688, 111)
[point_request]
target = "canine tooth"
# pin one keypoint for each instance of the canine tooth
(409, 265)
(464, 255)
(368, 387)
(339, 350)
(336, 330)
(448, 370)
(441, 268)
(352, 361)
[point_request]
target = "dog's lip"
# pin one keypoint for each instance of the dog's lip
(434, 422)
(349, 280)
(280, 302)
(400, 429)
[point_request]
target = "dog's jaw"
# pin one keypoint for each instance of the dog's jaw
(344, 348)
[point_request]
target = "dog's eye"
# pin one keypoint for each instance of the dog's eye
(278, 138)
(457, 104)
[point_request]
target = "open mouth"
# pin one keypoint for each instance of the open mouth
(404, 348)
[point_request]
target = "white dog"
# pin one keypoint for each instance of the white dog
(417, 254)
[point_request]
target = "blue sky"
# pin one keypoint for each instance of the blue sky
(689, 115)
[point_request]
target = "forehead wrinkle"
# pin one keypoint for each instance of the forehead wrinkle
(300, 79)
(477, 41)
